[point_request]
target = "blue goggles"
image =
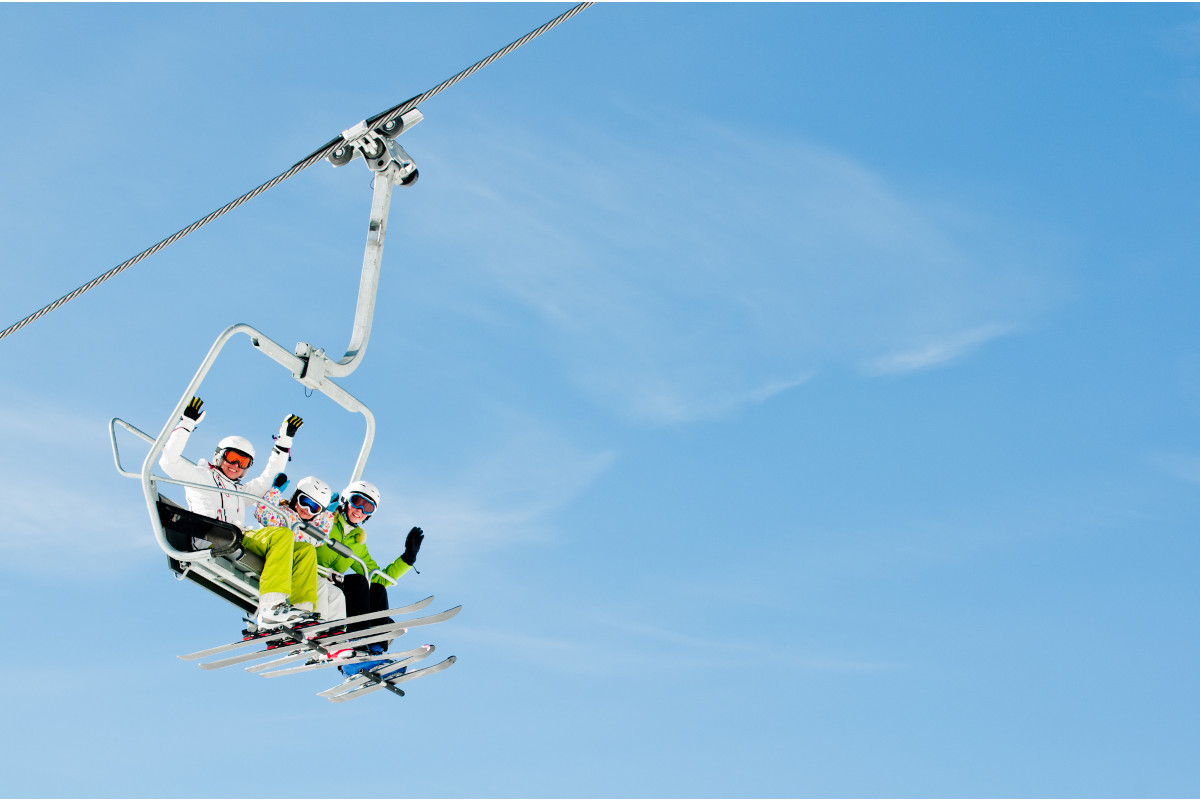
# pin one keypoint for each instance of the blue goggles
(304, 501)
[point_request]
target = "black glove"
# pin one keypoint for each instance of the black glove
(192, 409)
(412, 546)
(280, 480)
(291, 425)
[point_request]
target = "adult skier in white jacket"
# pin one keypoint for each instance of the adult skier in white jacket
(291, 567)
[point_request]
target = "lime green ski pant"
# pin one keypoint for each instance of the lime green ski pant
(291, 566)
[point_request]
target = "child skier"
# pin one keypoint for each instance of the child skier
(291, 567)
(309, 502)
(356, 505)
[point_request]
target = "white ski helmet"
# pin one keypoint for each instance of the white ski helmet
(315, 488)
(364, 488)
(240, 443)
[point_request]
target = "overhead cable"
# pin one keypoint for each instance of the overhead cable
(374, 122)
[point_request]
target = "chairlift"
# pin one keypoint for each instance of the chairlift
(223, 568)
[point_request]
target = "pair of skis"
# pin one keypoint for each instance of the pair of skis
(307, 648)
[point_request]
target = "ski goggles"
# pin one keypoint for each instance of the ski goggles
(304, 501)
(238, 458)
(362, 503)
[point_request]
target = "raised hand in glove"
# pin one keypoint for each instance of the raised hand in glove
(412, 545)
(280, 481)
(290, 426)
(286, 431)
(192, 410)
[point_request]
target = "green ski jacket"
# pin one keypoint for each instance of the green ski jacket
(356, 539)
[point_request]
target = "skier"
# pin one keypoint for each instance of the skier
(310, 503)
(355, 506)
(291, 567)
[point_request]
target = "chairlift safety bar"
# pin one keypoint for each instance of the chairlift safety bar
(202, 555)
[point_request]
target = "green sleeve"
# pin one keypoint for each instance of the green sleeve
(395, 570)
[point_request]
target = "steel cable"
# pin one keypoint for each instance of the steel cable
(374, 122)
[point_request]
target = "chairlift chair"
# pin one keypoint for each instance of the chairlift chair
(223, 568)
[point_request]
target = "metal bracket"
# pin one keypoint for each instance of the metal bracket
(312, 372)
(392, 162)
(392, 166)
(375, 147)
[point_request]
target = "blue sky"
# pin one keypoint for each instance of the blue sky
(802, 400)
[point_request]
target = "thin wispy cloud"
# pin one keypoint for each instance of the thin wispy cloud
(505, 492)
(1184, 467)
(60, 488)
(41, 424)
(76, 522)
(722, 270)
(612, 646)
(937, 353)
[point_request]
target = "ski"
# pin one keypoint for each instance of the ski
(407, 656)
(306, 646)
(383, 633)
(361, 679)
(320, 645)
(388, 683)
(282, 634)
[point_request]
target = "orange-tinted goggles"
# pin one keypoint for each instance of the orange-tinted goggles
(238, 458)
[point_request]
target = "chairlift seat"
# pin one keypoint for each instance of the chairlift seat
(181, 526)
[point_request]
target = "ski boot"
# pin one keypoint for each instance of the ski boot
(281, 615)
(336, 655)
(350, 670)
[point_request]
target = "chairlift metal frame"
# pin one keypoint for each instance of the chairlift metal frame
(235, 578)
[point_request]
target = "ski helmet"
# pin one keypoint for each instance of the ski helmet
(364, 488)
(315, 488)
(239, 443)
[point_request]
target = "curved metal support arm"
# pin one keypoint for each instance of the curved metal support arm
(277, 353)
(368, 285)
(392, 166)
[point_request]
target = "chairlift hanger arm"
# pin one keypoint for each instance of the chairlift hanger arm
(277, 353)
(392, 166)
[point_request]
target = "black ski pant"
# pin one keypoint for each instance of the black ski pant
(362, 597)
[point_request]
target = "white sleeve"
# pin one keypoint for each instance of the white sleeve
(276, 463)
(172, 461)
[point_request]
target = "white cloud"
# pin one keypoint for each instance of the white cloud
(1179, 466)
(506, 492)
(60, 489)
(935, 354)
(612, 645)
(684, 281)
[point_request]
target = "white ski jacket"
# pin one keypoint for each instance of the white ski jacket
(227, 507)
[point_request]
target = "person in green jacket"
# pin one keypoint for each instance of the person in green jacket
(364, 594)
